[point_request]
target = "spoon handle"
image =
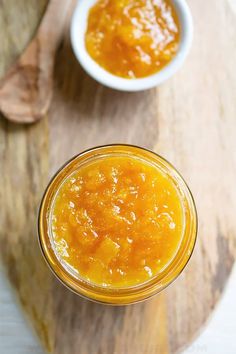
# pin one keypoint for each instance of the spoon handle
(26, 90)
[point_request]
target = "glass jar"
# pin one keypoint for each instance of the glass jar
(131, 294)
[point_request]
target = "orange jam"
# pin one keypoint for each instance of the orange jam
(132, 38)
(117, 221)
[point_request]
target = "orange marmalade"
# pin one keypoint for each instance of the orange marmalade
(132, 38)
(117, 221)
(117, 224)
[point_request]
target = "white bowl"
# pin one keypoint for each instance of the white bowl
(78, 30)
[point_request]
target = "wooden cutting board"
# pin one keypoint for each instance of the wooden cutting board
(191, 120)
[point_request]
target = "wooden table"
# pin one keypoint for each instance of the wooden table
(191, 120)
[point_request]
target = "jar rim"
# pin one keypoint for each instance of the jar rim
(113, 295)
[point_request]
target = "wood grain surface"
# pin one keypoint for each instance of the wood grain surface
(26, 90)
(191, 120)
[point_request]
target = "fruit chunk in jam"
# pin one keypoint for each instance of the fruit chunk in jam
(117, 221)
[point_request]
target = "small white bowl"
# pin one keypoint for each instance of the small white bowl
(78, 30)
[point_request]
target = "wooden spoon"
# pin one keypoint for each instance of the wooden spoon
(26, 90)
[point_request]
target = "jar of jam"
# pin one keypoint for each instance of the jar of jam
(117, 224)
